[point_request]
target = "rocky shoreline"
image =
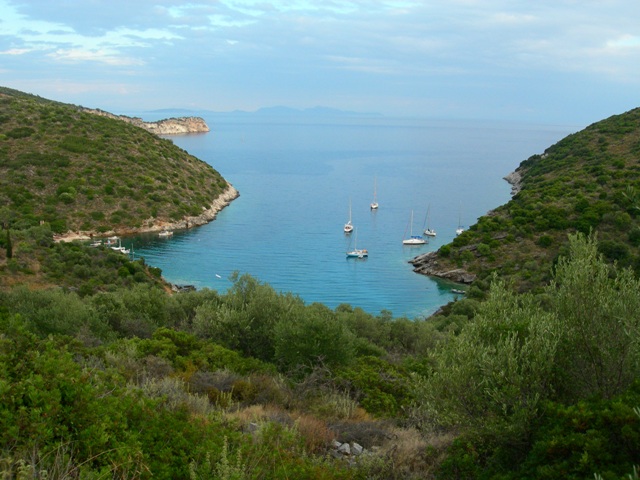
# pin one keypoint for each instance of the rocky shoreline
(515, 180)
(428, 264)
(154, 225)
(169, 126)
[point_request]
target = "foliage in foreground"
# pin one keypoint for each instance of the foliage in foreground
(528, 365)
(134, 383)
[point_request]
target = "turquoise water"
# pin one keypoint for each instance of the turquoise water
(296, 177)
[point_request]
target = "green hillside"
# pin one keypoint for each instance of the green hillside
(107, 373)
(589, 181)
(78, 171)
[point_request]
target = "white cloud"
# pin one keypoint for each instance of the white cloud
(100, 56)
(625, 42)
(15, 51)
(408, 47)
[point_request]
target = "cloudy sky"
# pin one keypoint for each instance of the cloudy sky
(568, 62)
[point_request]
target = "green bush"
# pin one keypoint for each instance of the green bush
(313, 339)
(20, 132)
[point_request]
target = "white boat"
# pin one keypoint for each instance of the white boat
(112, 240)
(428, 231)
(165, 234)
(413, 239)
(460, 229)
(357, 252)
(120, 248)
(374, 204)
(348, 227)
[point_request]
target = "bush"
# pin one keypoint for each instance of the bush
(315, 338)
(20, 132)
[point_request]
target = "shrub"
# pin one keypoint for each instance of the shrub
(20, 132)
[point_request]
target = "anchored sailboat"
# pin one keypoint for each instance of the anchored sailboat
(374, 204)
(357, 252)
(413, 239)
(348, 227)
(460, 229)
(428, 231)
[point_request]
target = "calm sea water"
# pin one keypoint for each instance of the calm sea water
(296, 178)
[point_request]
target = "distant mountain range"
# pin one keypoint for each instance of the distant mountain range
(275, 111)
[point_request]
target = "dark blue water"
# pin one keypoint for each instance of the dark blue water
(296, 177)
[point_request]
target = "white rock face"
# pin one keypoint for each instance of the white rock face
(168, 126)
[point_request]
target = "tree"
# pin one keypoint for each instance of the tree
(493, 375)
(316, 336)
(597, 307)
(9, 244)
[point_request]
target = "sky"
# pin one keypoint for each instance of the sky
(564, 62)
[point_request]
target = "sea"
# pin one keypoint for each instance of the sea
(301, 176)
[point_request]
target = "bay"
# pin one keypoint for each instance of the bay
(297, 176)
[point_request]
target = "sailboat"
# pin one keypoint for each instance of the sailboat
(459, 230)
(357, 252)
(120, 248)
(374, 204)
(413, 239)
(429, 232)
(348, 227)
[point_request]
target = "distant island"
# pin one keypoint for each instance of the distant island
(169, 126)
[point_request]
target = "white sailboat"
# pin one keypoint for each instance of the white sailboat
(428, 231)
(120, 248)
(374, 204)
(413, 239)
(460, 229)
(348, 227)
(357, 252)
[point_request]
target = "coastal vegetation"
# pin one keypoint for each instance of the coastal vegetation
(82, 172)
(587, 182)
(107, 373)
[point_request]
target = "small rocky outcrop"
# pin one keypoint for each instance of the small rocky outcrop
(348, 451)
(428, 264)
(515, 180)
(169, 126)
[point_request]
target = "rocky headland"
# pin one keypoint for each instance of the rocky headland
(428, 264)
(514, 179)
(169, 126)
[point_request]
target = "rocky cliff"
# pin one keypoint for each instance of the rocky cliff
(169, 126)
(429, 264)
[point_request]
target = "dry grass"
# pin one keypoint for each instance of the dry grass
(316, 434)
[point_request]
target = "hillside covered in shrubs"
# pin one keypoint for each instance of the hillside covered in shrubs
(107, 373)
(82, 172)
(587, 182)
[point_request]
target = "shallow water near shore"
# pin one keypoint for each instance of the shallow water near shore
(296, 177)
